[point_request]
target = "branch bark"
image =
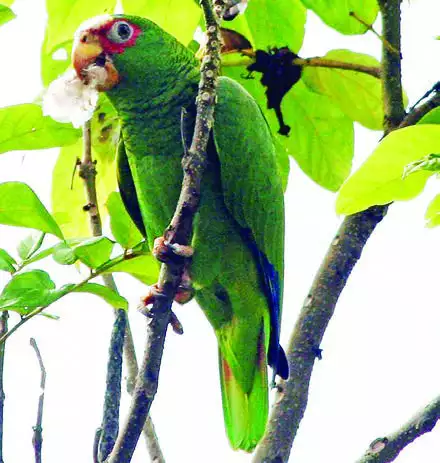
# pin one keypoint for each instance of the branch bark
(344, 251)
(3, 330)
(37, 438)
(179, 231)
(385, 449)
(108, 433)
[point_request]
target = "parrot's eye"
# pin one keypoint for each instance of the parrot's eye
(120, 32)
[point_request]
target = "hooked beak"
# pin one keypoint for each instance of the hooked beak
(87, 52)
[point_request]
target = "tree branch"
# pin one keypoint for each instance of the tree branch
(37, 439)
(3, 330)
(385, 449)
(110, 424)
(343, 254)
(179, 231)
(316, 61)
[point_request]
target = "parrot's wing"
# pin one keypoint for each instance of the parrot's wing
(127, 188)
(253, 193)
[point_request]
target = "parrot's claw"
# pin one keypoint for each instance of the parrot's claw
(166, 252)
(148, 300)
(185, 291)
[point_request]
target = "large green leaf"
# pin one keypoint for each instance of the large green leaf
(23, 127)
(110, 296)
(28, 290)
(6, 14)
(144, 267)
(20, 206)
(266, 23)
(336, 13)
(359, 95)
(54, 62)
(7, 262)
(321, 136)
(380, 179)
(123, 228)
(433, 117)
(177, 17)
(95, 251)
(68, 193)
(432, 215)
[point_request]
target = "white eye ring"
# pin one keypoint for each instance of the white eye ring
(120, 32)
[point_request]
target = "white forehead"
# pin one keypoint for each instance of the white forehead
(93, 23)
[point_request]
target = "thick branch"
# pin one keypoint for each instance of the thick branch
(37, 439)
(179, 231)
(3, 330)
(385, 449)
(345, 250)
(391, 65)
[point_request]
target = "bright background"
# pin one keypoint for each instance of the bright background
(380, 352)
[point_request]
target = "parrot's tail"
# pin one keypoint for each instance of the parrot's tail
(245, 414)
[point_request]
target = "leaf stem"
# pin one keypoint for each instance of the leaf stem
(3, 330)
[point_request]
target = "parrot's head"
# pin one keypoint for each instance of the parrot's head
(112, 49)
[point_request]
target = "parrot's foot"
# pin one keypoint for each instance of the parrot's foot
(148, 300)
(185, 291)
(167, 252)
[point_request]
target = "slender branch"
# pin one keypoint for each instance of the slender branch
(109, 430)
(37, 439)
(3, 330)
(369, 27)
(316, 61)
(343, 254)
(330, 63)
(385, 449)
(179, 231)
(110, 419)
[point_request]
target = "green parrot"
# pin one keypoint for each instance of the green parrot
(238, 239)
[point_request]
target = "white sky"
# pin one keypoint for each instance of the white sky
(380, 351)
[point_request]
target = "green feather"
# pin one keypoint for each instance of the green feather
(241, 207)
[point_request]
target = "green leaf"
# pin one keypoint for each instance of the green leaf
(6, 14)
(7, 263)
(321, 136)
(432, 215)
(123, 228)
(110, 296)
(380, 179)
(430, 163)
(433, 117)
(336, 13)
(144, 267)
(63, 254)
(272, 24)
(94, 251)
(68, 195)
(357, 94)
(28, 246)
(106, 128)
(177, 17)
(55, 61)
(23, 127)
(21, 207)
(28, 290)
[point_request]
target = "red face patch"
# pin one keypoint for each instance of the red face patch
(116, 35)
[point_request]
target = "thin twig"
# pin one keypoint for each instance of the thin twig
(370, 27)
(3, 330)
(179, 231)
(88, 172)
(316, 61)
(386, 449)
(343, 254)
(37, 438)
